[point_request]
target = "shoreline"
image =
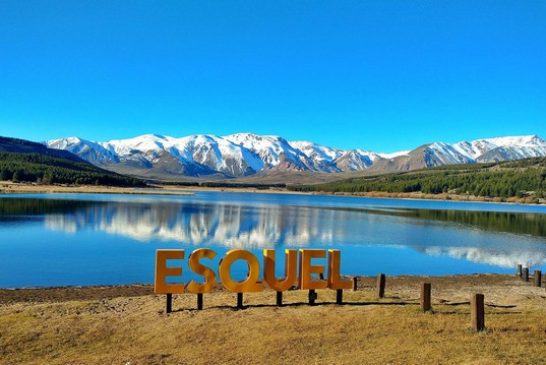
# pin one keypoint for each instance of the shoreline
(24, 188)
(438, 197)
(7, 187)
(219, 287)
(156, 189)
(405, 283)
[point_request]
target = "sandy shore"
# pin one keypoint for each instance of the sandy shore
(127, 325)
(7, 187)
(445, 196)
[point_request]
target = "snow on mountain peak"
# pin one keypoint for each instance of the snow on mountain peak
(512, 141)
(391, 155)
(273, 150)
(243, 154)
(510, 147)
(313, 150)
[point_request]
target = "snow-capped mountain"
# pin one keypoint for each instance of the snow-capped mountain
(439, 153)
(192, 155)
(246, 154)
(502, 148)
(273, 151)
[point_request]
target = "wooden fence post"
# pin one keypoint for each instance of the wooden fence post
(312, 296)
(169, 303)
(381, 286)
(339, 296)
(199, 301)
(538, 278)
(240, 300)
(279, 298)
(477, 312)
(425, 297)
(525, 274)
(520, 270)
(355, 283)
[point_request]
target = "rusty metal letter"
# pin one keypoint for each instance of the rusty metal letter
(290, 272)
(306, 269)
(251, 283)
(335, 281)
(198, 268)
(162, 271)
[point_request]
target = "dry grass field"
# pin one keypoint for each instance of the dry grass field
(127, 325)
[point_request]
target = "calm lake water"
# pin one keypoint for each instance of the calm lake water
(86, 239)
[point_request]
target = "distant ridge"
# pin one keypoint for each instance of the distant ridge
(26, 161)
(246, 155)
(8, 144)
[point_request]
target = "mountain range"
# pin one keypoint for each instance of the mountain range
(246, 155)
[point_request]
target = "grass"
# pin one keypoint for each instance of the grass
(134, 329)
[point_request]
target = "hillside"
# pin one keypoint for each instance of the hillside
(16, 145)
(25, 161)
(505, 179)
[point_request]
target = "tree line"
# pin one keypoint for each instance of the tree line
(513, 179)
(38, 168)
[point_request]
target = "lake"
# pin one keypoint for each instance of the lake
(92, 239)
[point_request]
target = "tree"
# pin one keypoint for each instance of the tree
(18, 176)
(6, 175)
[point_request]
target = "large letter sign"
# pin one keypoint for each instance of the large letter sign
(299, 270)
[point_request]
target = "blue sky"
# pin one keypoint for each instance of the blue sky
(382, 75)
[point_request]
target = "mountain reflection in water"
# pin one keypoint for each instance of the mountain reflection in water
(496, 238)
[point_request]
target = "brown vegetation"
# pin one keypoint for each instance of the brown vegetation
(126, 325)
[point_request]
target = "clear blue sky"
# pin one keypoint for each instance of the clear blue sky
(382, 75)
